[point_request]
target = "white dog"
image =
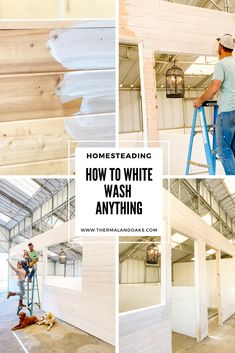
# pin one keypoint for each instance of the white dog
(47, 319)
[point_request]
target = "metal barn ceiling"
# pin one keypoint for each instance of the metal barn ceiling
(129, 75)
(73, 251)
(17, 204)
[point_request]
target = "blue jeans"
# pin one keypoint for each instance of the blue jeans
(25, 266)
(21, 288)
(225, 140)
(32, 272)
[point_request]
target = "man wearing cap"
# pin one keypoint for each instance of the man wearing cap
(223, 82)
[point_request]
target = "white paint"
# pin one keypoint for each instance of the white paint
(136, 271)
(145, 331)
(91, 309)
(97, 88)
(183, 274)
(195, 31)
(130, 112)
(179, 143)
(90, 49)
(149, 329)
(73, 283)
(200, 290)
(20, 343)
(228, 303)
(131, 139)
(84, 48)
(183, 311)
(92, 128)
(136, 296)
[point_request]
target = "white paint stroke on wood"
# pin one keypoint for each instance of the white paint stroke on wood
(92, 127)
(96, 87)
(83, 49)
(195, 29)
(91, 50)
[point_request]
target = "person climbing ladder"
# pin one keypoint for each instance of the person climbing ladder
(20, 272)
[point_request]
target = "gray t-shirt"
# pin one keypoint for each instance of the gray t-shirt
(225, 72)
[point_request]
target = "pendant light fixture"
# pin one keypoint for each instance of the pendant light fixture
(174, 82)
(152, 254)
(62, 257)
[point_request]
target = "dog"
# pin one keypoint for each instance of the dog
(47, 319)
(25, 321)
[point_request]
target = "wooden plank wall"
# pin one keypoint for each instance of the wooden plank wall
(93, 308)
(149, 329)
(33, 138)
(169, 28)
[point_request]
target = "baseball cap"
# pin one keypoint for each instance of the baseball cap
(227, 41)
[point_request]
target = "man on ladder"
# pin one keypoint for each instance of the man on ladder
(223, 82)
(33, 255)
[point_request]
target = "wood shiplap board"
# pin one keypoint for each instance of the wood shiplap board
(228, 303)
(146, 331)
(197, 229)
(31, 97)
(34, 139)
(47, 167)
(26, 51)
(169, 28)
(39, 139)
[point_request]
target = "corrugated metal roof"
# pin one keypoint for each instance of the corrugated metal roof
(222, 195)
(73, 251)
(17, 204)
(129, 74)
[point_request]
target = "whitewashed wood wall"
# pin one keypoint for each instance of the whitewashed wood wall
(170, 28)
(93, 308)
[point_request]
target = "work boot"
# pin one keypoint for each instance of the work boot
(10, 294)
(21, 305)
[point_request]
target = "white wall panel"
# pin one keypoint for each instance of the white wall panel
(174, 113)
(137, 296)
(134, 271)
(183, 311)
(130, 113)
(92, 309)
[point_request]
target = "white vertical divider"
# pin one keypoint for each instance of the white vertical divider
(218, 285)
(201, 290)
(44, 272)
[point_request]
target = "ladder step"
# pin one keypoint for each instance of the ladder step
(198, 164)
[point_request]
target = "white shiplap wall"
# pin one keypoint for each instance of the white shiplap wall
(93, 308)
(130, 111)
(178, 113)
(135, 271)
(149, 329)
(172, 113)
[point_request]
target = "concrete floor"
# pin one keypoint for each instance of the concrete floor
(62, 338)
(221, 339)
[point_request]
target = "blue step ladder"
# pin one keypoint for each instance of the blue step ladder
(210, 150)
(31, 289)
